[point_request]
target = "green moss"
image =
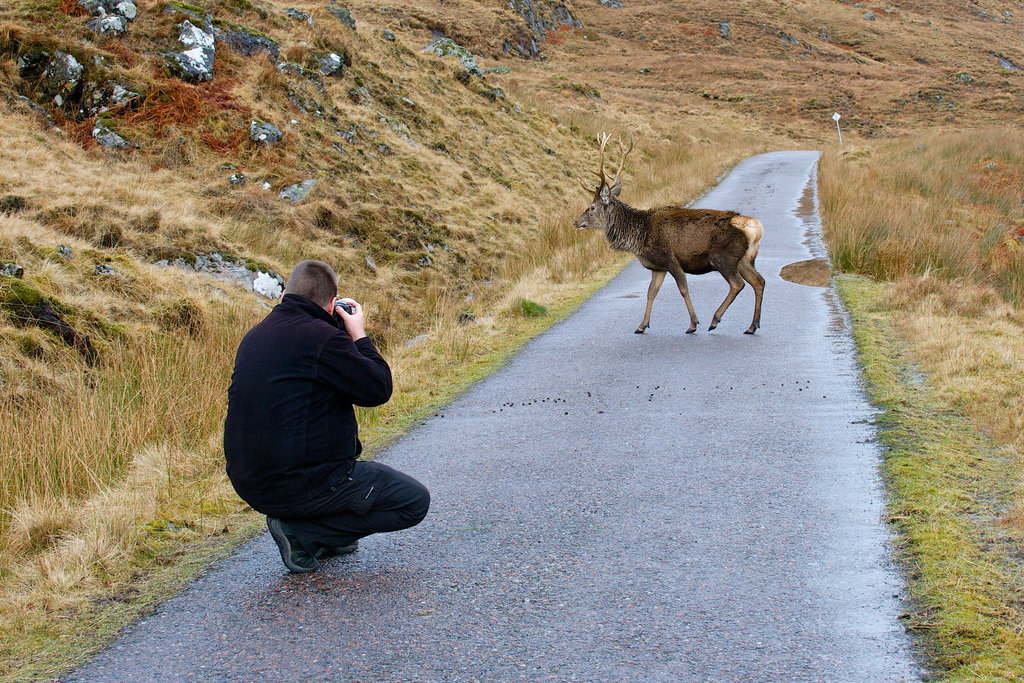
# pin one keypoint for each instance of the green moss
(186, 8)
(20, 299)
(226, 25)
(947, 489)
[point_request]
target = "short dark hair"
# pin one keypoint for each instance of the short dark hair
(314, 280)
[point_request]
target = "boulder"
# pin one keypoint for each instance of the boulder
(196, 63)
(264, 133)
(12, 270)
(297, 192)
(724, 30)
(267, 285)
(299, 15)
(541, 16)
(244, 40)
(65, 252)
(109, 138)
(111, 8)
(446, 47)
(62, 79)
(344, 15)
(331, 64)
(108, 26)
(612, 4)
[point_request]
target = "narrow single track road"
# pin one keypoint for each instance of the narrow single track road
(608, 507)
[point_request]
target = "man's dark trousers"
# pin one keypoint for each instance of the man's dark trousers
(375, 498)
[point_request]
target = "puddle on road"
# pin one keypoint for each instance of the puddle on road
(814, 272)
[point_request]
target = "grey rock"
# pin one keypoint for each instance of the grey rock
(344, 15)
(264, 133)
(62, 78)
(65, 252)
(12, 270)
(297, 192)
(229, 270)
(246, 41)
(493, 94)
(104, 269)
(541, 18)
(964, 77)
(237, 179)
(109, 138)
(446, 47)
(331, 64)
(267, 285)
(788, 38)
(499, 70)
(724, 30)
(299, 15)
(870, 16)
(417, 340)
(1006, 63)
(196, 63)
(108, 25)
(370, 264)
(111, 8)
(613, 4)
(388, 35)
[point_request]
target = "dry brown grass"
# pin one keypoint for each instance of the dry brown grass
(466, 214)
(946, 205)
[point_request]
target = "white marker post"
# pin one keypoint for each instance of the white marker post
(835, 117)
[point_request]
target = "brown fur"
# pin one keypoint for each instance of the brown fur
(679, 241)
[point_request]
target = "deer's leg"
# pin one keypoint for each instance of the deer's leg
(680, 278)
(757, 282)
(657, 277)
(735, 287)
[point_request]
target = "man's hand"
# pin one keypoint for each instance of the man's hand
(355, 323)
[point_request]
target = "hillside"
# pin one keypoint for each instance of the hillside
(165, 165)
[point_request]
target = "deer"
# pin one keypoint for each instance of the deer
(677, 240)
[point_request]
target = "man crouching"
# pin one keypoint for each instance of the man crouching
(291, 438)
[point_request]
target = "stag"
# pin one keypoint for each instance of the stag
(678, 241)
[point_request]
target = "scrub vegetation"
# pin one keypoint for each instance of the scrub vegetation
(940, 327)
(445, 202)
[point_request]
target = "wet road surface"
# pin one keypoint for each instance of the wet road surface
(609, 507)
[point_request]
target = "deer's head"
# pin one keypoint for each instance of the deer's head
(598, 215)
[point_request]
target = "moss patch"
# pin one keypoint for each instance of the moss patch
(948, 489)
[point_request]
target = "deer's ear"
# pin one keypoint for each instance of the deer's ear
(616, 189)
(605, 194)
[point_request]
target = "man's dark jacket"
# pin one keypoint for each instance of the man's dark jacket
(291, 433)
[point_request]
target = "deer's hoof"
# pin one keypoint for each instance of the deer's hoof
(691, 330)
(639, 330)
(713, 326)
(752, 330)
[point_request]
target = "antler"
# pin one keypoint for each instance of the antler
(622, 162)
(605, 137)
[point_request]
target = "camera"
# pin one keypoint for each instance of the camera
(345, 306)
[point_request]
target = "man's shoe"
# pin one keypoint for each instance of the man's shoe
(332, 550)
(295, 558)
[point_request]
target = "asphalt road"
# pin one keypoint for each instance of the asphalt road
(608, 507)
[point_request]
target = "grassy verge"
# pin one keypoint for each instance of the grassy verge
(53, 634)
(951, 492)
